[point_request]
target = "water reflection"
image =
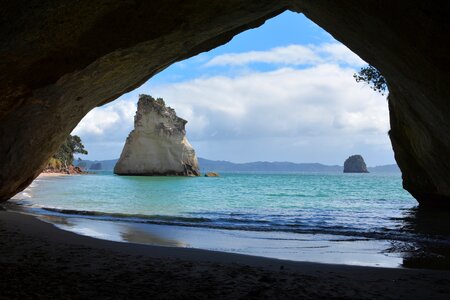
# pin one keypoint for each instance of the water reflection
(146, 237)
(430, 245)
(114, 231)
(283, 245)
(420, 239)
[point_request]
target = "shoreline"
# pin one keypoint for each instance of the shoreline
(326, 247)
(318, 248)
(59, 261)
(52, 174)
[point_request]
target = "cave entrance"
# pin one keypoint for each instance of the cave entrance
(268, 95)
(83, 71)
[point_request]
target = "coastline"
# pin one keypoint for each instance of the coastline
(319, 248)
(52, 174)
(329, 246)
(62, 263)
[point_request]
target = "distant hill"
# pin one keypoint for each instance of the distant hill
(264, 166)
(385, 169)
(96, 165)
(207, 165)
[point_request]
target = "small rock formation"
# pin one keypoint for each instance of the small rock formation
(355, 164)
(212, 174)
(70, 170)
(158, 144)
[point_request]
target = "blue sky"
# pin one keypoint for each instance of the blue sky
(280, 92)
(274, 33)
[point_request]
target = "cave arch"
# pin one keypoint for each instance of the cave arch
(60, 60)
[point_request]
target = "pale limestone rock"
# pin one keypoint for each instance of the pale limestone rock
(158, 144)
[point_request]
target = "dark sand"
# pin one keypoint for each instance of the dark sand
(37, 260)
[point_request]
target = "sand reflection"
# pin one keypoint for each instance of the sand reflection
(115, 231)
(133, 235)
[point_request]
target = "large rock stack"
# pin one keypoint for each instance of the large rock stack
(158, 144)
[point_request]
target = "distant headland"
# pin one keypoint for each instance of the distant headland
(207, 165)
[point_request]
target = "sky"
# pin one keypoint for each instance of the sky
(281, 92)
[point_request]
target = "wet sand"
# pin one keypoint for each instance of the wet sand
(39, 260)
(331, 249)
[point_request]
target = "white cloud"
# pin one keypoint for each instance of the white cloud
(316, 113)
(322, 100)
(108, 122)
(293, 55)
(338, 53)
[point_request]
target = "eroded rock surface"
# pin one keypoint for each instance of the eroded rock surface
(157, 145)
(212, 174)
(355, 164)
(60, 59)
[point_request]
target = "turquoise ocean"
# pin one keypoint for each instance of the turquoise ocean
(365, 219)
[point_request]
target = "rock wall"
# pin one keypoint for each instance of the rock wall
(157, 145)
(60, 59)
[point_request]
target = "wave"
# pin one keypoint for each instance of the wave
(125, 217)
(246, 222)
(289, 195)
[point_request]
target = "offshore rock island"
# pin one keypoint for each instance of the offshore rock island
(355, 164)
(158, 145)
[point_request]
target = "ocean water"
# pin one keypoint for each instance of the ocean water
(367, 219)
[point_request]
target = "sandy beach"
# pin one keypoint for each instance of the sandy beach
(43, 175)
(41, 261)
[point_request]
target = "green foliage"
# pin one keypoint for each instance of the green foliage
(66, 151)
(54, 164)
(160, 101)
(373, 77)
